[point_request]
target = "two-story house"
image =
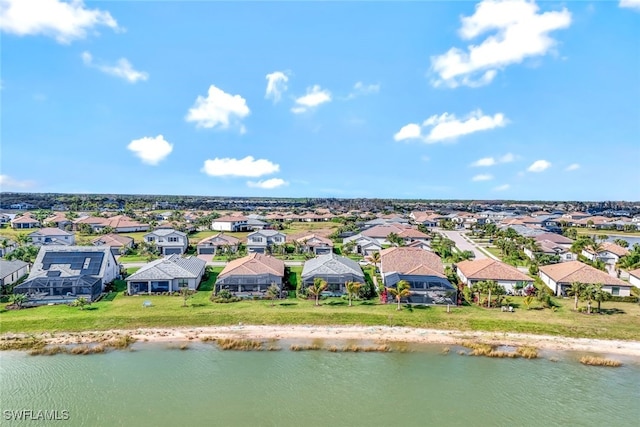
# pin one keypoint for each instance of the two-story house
(262, 241)
(52, 236)
(168, 240)
(231, 223)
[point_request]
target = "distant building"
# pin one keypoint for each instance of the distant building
(52, 236)
(12, 271)
(168, 241)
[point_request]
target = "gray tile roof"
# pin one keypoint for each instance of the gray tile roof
(9, 267)
(331, 264)
(166, 232)
(169, 268)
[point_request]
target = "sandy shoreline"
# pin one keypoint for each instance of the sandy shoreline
(358, 333)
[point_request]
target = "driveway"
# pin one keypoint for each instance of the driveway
(463, 244)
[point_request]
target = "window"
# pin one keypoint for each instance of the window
(256, 239)
(150, 239)
(615, 290)
(173, 239)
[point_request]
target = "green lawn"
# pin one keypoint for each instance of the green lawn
(128, 313)
(612, 233)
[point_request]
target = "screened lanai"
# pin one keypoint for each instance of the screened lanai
(59, 290)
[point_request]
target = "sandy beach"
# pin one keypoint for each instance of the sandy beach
(379, 334)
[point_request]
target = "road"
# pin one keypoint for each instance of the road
(463, 244)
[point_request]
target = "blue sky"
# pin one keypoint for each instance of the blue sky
(473, 100)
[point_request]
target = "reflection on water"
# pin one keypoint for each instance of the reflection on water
(154, 385)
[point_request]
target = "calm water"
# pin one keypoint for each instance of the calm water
(631, 240)
(153, 386)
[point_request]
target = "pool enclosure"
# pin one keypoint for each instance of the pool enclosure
(59, 290)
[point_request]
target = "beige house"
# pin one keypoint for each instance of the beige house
(559, 277)
(117, 242)
(213, 244)
(634, 277)
(251, 274)
(471, 272)
(315, 244)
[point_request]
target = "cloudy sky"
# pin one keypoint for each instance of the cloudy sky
(489, 100)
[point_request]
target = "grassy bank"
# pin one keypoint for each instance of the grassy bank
(621, 322)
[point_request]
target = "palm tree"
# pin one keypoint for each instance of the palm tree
(81, 302)
(402, 290)
(375, 259)
(272, 293)
(588, 294)
(621, 242)
(479, 288)
(352, 289)
(316, 289)
(22, 239)
(600, 295)
(394, 239)
(492, 286)
(576, 289)
(18, 300)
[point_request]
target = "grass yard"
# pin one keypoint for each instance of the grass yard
(622, 322)
(612, 233)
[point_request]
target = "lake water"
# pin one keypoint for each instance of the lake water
(631, 240)
(154, 386)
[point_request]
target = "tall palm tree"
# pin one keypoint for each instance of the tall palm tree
(375, 259)
(576, 289)
(352, 289)
(401, 290)
(316, 289)
(588, 294)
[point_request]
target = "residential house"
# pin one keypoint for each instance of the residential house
(61, 274)
(118, 223)
(6, 246)
(634, 277)
(253, 273)
(214, 244)
(167, 274)
(52, 236)
(424, 272)
(25, 221)
(407, 233)
(547, 247)
(60, 221)
(471, 272)
(336, 270)
(12, 271)
(610, 254)
(5, 219)
(168, 241)
(262, 241)
(231, 223)
(117, 242)
(559, 277)
(315, 244)
(427, 219)
(362, 245)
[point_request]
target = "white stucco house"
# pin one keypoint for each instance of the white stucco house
(167, 274)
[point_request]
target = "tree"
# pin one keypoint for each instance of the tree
(348, 247)
(316, 289)
(18, 300)
(576, 290)
(375, 259)
(588, 294)
(352, 289)
(492, 287)
(81, 302)
(22, 239)
(401, 290)
(600, 295)
(395, 240)
(185, 292)
(527, 301)
(621, 242)
(273, 291)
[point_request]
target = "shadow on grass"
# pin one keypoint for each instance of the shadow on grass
(286, 304)
(89, 309)
(339, 302)
(610, 311)
(421, 307)
(368, 303)
(198, 304)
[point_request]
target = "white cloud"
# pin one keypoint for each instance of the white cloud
(267, 184)
(539, 166)
(8, 183)
(239, 167)
(507, 158)
(122, 69)
(482, 177)
(572, 167)
(314, 97)
(491, 161)
(410, 131)
(485, 161)
(447, 126)
(630, 4)
(276, 85)
(218, 109)
(151, 150)
(517, 30)
(363, 89)
(64, 21)
(502, 187)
